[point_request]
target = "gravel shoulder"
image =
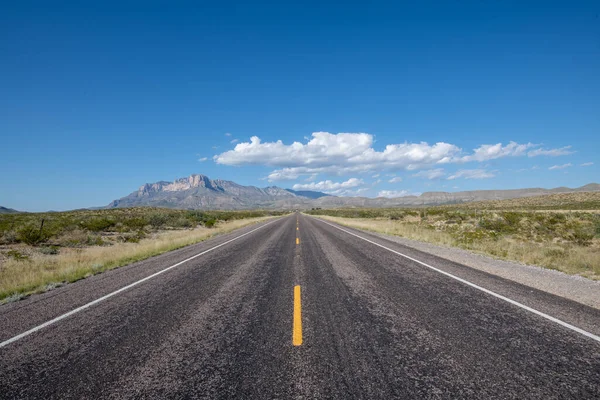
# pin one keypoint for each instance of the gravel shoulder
(572, 287)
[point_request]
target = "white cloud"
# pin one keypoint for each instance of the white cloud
(349, 153)
(377, 182)
(395, 180)
(228, 134)
(472, 174)
(234, 141)
(431, 174)
(203, 159)
(560, 166)
(587, 164)
(563, 151)
(339, 154)
(330, 186)
(395, 193)
(487, 152)
(376, 176)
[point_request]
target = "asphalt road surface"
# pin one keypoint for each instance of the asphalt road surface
(298, 308)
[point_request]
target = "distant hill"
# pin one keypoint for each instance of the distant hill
(441, 198)
(200, 192)
(588, 200)
(308, 193)
(4, 210)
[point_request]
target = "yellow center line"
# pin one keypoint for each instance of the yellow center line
(297, 240)
(297, 326)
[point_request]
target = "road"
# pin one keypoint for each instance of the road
(226, 324)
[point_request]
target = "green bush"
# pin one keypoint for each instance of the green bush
(183, 223)
(50, 250)
(136, 223)
(158, 219)
(31, 235)
(582, 236)
(98, 224)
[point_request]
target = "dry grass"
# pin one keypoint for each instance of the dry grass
(35, 272)
(554, 254)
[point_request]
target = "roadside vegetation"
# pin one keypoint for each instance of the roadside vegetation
(566, 239)
(40, 251)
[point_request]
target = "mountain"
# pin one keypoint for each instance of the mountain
(201, 192)
(4, 210)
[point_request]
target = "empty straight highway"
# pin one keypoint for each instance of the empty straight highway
(299, 308)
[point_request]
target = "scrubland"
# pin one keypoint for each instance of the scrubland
(538, 231)
(40, 251)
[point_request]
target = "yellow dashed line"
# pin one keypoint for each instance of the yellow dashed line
(297, 325)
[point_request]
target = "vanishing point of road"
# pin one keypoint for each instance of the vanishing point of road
(298, 308)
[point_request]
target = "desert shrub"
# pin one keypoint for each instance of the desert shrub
(50, 250)
(183, 222)
(158, 219)
(396, 216)
(132, 238)
(512, 218)
(556, 218)
(582, 236)
(210, 223)
(8, 237)
(135, 223)
(31, 235)
(98, 224)
(95, 240)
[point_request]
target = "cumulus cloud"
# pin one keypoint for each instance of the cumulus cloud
(395, 180)
(335, 153)
(203, 159)
(330, 186)
(472, 174)
(350, 153)
(395, 193)
(587, 164)
(234, 141)
(431, 174)
(560, 166)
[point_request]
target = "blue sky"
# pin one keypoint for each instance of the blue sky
(99, 99)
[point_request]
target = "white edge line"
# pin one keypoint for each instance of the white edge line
(499, 296)
(124, 288)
